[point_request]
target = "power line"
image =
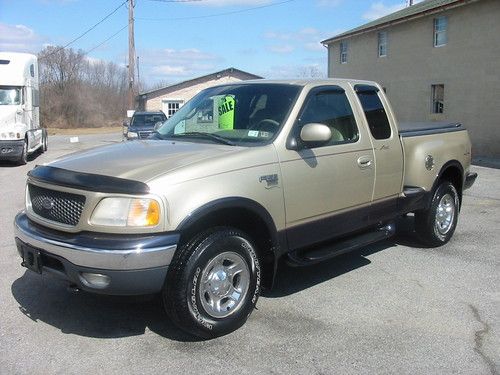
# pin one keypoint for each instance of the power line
(177, 1)
(85, 32)
(104, 41)
(209, 15)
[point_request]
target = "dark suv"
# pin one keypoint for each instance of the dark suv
(143, 123)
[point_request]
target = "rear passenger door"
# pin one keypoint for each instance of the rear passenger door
(327, 189)
(387, 148)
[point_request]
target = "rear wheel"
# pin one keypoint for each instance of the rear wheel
(213, 283)
(436, 225)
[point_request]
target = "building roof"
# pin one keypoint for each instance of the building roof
(418, 10)
(216, 75)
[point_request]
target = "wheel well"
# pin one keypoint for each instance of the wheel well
(453, 174)
(247, 221)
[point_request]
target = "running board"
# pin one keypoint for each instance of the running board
(306, 257)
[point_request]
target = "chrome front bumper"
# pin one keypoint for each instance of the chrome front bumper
(133, 264)
(96, 250)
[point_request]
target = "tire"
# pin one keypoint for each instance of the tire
(202, 273)
(436, 225)
(24, 156)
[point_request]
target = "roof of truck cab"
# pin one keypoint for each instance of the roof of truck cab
(302, 82)
(15, 68)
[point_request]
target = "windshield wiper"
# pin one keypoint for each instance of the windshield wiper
(210, 136)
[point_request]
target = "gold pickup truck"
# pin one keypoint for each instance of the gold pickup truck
(243, 175)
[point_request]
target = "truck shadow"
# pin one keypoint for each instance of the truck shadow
(91, 315)
(292, 279)
(45, 299)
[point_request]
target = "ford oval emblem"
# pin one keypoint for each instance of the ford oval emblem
(48, 203)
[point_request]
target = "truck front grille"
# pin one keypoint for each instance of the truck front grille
(145, 134)
(58, 206)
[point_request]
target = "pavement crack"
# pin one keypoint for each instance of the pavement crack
(479, 340)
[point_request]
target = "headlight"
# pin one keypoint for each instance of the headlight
(131, 212)
(10, 135)
(132, 135)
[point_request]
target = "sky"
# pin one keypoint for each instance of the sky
(177, 39)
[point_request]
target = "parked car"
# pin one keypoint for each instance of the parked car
(243, 175)
(142, 124)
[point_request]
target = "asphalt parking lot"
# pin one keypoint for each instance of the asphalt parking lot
(392, 308)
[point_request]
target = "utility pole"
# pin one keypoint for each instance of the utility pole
(131, 56)
(139, 85)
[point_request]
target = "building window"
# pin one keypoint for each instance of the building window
(172, 107)
(440, 31)
(437, 98)
(343, 52)
(382, 44)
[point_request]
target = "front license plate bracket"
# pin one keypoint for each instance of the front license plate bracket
(32, 259)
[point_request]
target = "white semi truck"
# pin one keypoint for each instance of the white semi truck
(20, 131)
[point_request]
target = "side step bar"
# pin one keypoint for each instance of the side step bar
(306, 257)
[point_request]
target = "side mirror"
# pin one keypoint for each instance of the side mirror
(313, 134)
(157, 125)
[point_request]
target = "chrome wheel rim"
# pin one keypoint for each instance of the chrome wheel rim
(445, 214)
(224, 284)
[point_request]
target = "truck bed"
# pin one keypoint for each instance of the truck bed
(412, 129)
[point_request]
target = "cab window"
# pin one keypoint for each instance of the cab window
(374, 110)
(331, 108)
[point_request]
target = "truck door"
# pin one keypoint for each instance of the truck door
(387, 148)
(327, 189)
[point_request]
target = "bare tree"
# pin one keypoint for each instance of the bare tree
(77, 91)
(311, 71)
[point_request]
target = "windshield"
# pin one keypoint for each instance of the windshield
(147, 119)
(242, 114)
(10, 95)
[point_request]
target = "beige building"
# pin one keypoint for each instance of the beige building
(438, 60)
(169, 99)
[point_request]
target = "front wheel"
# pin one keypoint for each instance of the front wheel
(436, 225)
(213, 283)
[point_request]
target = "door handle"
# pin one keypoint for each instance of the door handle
(364, 162)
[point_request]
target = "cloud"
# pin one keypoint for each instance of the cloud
(328, 3)
(306, 70)
(314, 46)
(19, 38)
(286, 48)
(221, 3)
(379, 9)
(307, 38)
(57, 2)
(173, 64)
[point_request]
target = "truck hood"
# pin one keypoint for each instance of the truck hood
(7, 115)
(142, 160)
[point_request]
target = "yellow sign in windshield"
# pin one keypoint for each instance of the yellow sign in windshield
(226, 113)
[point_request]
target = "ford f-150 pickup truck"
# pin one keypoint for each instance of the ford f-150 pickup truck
(243, 175)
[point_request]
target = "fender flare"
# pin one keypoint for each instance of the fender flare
(232, 203)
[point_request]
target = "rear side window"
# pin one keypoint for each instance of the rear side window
(331, 108)
(374, 112)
